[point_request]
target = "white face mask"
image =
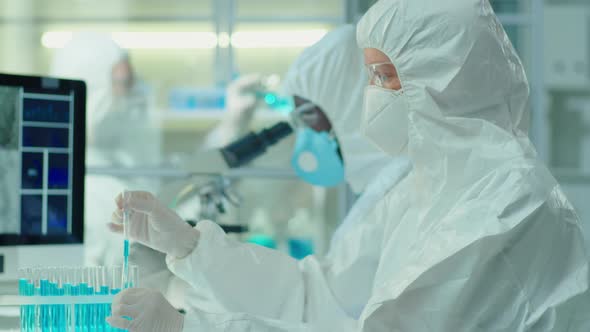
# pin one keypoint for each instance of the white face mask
(385, 119)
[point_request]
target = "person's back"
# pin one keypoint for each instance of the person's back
(503, 250)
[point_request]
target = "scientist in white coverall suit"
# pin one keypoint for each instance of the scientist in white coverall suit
(118, 112)
(477, 237)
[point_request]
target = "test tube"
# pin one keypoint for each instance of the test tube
(115, 286)
(116, 272)
(27, 315)
(59, 291)
(51, 291)
(80, 289)
(125, 272)
(90, 290)
(68, 279)
(103, 289)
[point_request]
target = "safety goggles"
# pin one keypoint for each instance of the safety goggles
(382, 74)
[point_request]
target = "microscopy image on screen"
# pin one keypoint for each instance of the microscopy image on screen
(39, 110)
(32, 170)
(9, 160)
(58, 176)
(9, 119)
(31, 214)
(57, 214)
(45, 137)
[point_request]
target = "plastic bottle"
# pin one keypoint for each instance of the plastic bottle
(267, 93)
(262, 231)
(300, 236)
(276, 102)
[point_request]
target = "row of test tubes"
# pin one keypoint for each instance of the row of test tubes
(71, 281)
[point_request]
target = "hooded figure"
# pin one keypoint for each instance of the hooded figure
(119, 130)
(488, 241)
(119, 124)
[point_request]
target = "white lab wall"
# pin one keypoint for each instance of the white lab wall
(567, 81)
(567, 47)
(19, 50)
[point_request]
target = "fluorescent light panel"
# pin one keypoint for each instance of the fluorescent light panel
(198, 40)
(56, 39)
(165, 40)
(276, 39)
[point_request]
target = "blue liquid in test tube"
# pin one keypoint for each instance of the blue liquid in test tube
(125, 276)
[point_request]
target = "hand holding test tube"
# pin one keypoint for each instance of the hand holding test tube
(152, 224)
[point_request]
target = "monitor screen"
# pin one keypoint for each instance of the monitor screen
(42, 137)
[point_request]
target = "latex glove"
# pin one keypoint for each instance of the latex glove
(154, 271)
(148, 309)
(240, 106)
(153, 224)
(241, 99)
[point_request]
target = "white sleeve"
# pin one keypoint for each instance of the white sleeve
(241, 322)
(244, 277)
(259, 282)
(223, 134)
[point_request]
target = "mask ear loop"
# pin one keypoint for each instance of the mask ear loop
(296, 117)
(332, 134)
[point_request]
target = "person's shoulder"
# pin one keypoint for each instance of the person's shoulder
(515, 191)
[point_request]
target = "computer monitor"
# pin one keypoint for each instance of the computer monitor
(42, 149)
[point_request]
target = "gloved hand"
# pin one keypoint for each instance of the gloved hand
(148, 309)
(153, 224)
(241, 100)
(240, 106)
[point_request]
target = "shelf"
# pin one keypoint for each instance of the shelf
(290, 19)
(568, 175)
(172, 172)
(190, 120)
(515, 19)
(105, 19)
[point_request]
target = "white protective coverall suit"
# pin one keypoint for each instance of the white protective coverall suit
(490, 242)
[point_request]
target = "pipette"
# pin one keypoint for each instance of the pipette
(125, 276)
